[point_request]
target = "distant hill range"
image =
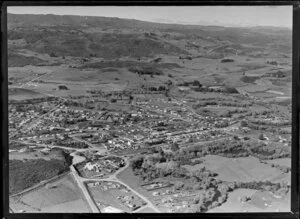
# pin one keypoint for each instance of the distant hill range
(109, 38)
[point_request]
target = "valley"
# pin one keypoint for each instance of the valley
(120, 115)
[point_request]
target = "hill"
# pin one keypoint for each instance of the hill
(114, 37)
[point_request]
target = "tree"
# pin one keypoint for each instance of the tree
(63, 87)
(137, 163)
(178, 185)
(174, 147)
(244, 123)
(161, 88)
(197, 83)
(261, 136)
(169, 82)
(52, 54)
(160, 151)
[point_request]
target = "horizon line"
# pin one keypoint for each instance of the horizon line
(171, 22)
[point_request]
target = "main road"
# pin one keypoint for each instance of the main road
(112, 178)
(83, 188)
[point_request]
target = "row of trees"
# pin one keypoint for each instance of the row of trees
(146, 70)
(265, 128)
(230, 90)
(221, 103)
(270, 122)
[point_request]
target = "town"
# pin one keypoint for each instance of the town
(130, 116)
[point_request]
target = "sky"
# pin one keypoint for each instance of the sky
(240, 16)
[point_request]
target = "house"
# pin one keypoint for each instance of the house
(110, 209)
(155, 193)
(89, 166)
(46, 150)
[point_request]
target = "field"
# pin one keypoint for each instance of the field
(57, 196)
(239, 169)
(283, 162)
(104, 195)
(127, 176)
(21, 94)
(133, 181)
(260, 202)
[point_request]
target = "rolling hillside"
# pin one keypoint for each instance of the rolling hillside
(110, 38)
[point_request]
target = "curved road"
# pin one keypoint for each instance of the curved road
(112, 178)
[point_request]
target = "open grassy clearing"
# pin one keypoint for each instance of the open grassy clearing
(282, 161)
(260, 202)
(22, 94)
(106, 198)
(127, 176)
(77, 206)
(239, 169)
(57, 196)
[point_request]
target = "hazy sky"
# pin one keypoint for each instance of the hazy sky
(205, 15)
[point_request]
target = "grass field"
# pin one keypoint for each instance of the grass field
(22, 93)
(260, 202)
(239, 169)
(58, 196)
(282, 161)
(110, 197)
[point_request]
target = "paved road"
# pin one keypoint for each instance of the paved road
(83, 188)
(113, 178)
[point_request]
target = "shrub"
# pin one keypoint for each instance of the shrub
(227, 60)
(174, 147)
(244, 123)
(146, 70)
(231, 90)
(63, 87)
(52, 54)
(261, 136)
